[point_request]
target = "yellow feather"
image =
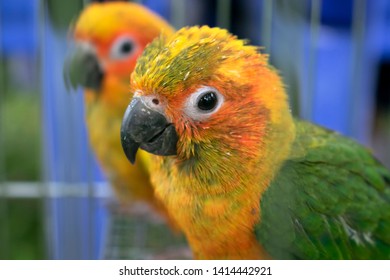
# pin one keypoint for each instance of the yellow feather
(99, 25)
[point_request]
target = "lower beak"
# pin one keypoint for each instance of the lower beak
(82, 68)
(145, 128)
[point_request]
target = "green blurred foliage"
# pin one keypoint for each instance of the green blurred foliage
(26, 239)
(21, 220)
(21, 125)
(21, 223)
(62, 13)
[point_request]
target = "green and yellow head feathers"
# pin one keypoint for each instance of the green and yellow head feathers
(193, 55)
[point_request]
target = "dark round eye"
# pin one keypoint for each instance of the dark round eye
(122, 48)
(126, 47)
(203, 103)
(208, 101)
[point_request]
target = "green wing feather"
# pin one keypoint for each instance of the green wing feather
(330, 200)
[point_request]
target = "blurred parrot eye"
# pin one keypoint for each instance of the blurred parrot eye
(122, 48)
(203, 103)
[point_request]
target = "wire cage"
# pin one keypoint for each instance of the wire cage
(55, 202)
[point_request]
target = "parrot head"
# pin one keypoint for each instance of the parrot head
(108, 39)
(206, 97)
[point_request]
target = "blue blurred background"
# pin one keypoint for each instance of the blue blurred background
(55, 202)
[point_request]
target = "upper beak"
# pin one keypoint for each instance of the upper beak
(145, 128)
(83, 68)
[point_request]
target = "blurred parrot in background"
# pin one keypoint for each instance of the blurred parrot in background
(241, 176)
(109, 37)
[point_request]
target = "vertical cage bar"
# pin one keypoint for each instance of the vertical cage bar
(178, 12)
(315, 21)
(91, 206)
(4, 231)
(266, 24)
(42, 187)
(224, 13)
(90, 190)
(358, 30)
(46, 213)
(2, 98)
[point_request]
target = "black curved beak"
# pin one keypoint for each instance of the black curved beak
(145, 128)
(82, 68)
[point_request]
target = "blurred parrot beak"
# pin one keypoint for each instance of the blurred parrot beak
(82, 68)
(145, 128)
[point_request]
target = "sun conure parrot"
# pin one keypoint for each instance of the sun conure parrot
(240, 175)
(109, 37)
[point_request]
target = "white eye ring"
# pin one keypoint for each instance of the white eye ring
(123, 47)
(203, 103)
